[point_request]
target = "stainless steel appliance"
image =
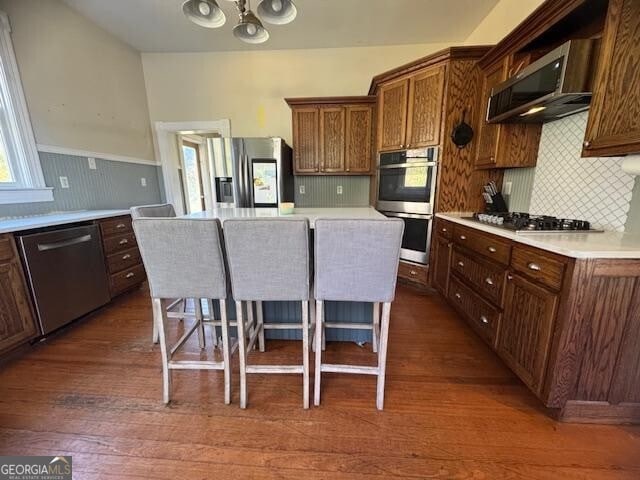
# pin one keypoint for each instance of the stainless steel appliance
(406, 184)
(257, 172)
(519, 222)
(554, 86)
(66, 273)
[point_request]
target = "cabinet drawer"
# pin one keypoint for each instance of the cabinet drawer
(535, 264)
(413, 271)
(117, 243)
(483, 317)
(6, 247)
(487, 278)
(121, 260)
(488, 245)
(115, 226)
(121, 281)
(444, 228)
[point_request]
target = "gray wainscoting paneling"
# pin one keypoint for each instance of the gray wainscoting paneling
(521, 188)
(111, 185)
(321, 191)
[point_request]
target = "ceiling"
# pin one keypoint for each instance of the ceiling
(160, 26)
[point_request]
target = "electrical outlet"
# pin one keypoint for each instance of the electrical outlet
(506, 188)
(301, 189)
(92, 163)
(339, 190)
(143, 182)
(64, 182)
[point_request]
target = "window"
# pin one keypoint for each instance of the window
(21, 178)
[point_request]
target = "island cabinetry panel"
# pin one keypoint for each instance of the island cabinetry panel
(332, 135)
(567, 327)
(17, 321)
(122, 257)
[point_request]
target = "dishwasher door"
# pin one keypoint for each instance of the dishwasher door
(66, 273)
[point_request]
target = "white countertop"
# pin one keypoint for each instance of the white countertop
(576, 245)
(312, 214)
(49, 220)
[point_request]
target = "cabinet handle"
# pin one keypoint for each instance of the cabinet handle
(461, 264)
(534, 266)
(123, 241)
(129, 275)
(462, 237)
(489, 280)
(458, 296)
(444, 230)
(120, 225)
(492, 249)
(484, 319)
(509, 277)
(587, 143)
(126, 256)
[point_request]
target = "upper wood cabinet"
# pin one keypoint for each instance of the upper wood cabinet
(501, 145)
(410, 110)
(613, 127)
(17, 323)
(332, 135)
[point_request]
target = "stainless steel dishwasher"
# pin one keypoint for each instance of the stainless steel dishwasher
(66, 273)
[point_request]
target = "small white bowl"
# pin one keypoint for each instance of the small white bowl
(286, 208)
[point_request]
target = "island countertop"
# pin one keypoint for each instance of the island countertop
(18, 224)
(574, 244)
(226, 213)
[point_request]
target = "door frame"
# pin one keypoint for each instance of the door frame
(165, 152)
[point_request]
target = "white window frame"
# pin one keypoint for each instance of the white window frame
(22, 153)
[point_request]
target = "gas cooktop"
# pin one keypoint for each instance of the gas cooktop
(526, 223)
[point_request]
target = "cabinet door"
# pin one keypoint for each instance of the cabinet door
(16, 320)
(332, 139)
(524, 338)
(359, 133)
(392, 115)
(488, 132)
(426, 91)
(613, 127)
(306, 139)
(441, 264)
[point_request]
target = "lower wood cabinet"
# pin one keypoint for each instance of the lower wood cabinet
(526, 328)
(441, 261)
(17, 322)
(413, 272)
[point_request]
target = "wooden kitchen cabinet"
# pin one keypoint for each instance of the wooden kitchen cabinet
(525, 332)
(332, 135)
(392, 115)
(424, 111)
(17, 322)
(613, 127)
(503, 145)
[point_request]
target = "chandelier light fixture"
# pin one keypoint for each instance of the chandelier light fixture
(208, 14)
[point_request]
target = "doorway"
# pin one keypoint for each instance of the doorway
(192, 177)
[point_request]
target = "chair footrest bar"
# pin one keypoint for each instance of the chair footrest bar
(356, 369)
(354, 326)
(184, 338)
(274, 369)
(195, 365)
(283, 326)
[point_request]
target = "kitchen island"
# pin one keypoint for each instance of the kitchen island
(284, 312)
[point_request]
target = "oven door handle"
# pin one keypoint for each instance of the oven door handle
(408, 165)
(407, 215)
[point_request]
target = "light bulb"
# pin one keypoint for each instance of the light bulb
(251, 29)
(277, 5)
(204, 8)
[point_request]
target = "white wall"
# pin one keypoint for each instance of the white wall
(84, 88)
(503, 18)
(249, 87)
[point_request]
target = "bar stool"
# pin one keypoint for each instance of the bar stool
(356, 261)
(184, 258)
(269, 261)
(166, 210)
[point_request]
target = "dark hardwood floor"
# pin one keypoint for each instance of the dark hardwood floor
(452, 410)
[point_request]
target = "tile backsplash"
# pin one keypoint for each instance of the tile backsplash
(566, 185)
(322, 191)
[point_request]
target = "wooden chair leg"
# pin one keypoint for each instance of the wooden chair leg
(242, 350)
(324, 333)
(382, 354)
(312, 325)
(318, 335)
(251, 320)
(260, 315)
(376, 327)
(305, 354)
(212, 318)
(198, 308)
(154, 334)
(183, 308)
(226, 349)
(160, 319)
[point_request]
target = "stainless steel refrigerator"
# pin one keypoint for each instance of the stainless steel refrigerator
(250, 172)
